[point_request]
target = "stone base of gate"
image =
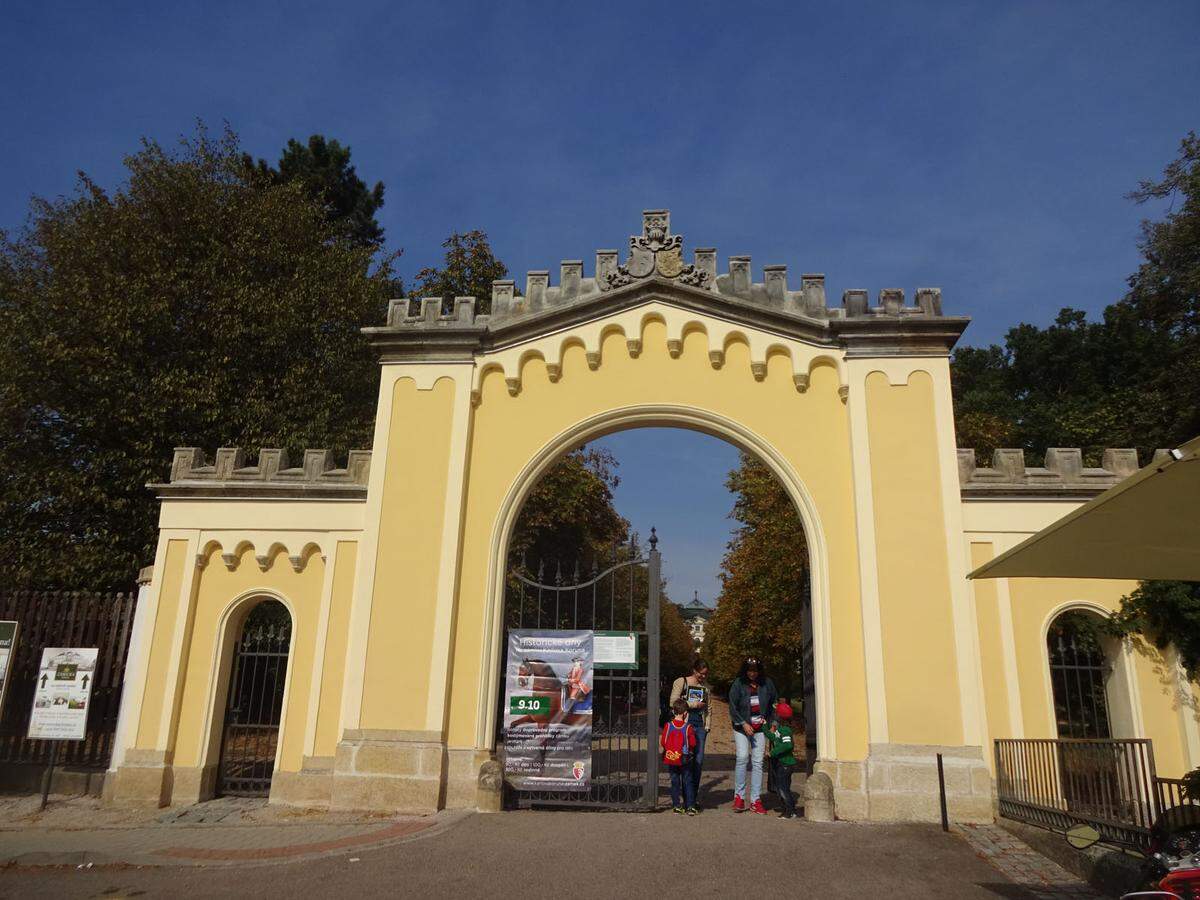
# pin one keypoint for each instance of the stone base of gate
(389, 771)
(899, 783)
(462, 777)
(144, 779)
(311, 786)
(193, 784)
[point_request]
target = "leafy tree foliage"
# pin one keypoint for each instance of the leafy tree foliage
(764, 583)
(1167, 612)
(1131, 379)
(199, 303)
(676, 648)
(469, 271)
(569, 516)
(323, 168)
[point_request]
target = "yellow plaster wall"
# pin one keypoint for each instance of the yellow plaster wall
(399, 646)
(920, 665)
(169, 604)
(217, 589)
(1161, 702)
(991, 648)
(336, 638)
(810, 429)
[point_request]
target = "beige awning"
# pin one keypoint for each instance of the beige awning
(1146, 527)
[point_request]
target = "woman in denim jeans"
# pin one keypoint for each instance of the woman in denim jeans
(752, 698)
(693, 689)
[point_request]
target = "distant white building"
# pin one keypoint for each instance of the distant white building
(696, 615)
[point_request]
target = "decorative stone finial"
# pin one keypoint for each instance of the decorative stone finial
(656, 252)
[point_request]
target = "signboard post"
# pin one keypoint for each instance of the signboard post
(548, 710)
(8, 646)
(61, 699)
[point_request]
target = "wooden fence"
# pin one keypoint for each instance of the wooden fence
(65, 619)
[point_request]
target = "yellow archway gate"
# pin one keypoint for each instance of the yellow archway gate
(395, 563)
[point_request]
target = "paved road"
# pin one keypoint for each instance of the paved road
(585, 855)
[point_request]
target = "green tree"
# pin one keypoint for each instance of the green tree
(324, 170)
(199, 303)
(569, 516)
(764, 583)
(1131, 379)
(469, 270)
(1165, 612)
(675, 646)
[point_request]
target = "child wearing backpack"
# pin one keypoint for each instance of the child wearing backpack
(678, 743)
(783, 757)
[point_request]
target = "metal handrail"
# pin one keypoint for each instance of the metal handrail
(1060, 782)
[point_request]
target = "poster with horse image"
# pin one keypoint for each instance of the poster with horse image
(548, 699)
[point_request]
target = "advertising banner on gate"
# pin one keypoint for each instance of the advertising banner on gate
(63, 693)
(8, 646)
(548, 698)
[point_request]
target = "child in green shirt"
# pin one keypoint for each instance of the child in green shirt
(783, 757)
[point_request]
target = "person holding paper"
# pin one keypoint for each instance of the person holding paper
(693, 689)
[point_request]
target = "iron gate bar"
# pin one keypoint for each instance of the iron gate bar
(1107, 783)
(1077, 673)
(254, 706)
(627, 774)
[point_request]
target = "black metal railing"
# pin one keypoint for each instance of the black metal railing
(623, 596)
(255, 705)
(1180, 810)
(1109, 784)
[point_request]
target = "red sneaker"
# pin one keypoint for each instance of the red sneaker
(757, 807)
(739, 805)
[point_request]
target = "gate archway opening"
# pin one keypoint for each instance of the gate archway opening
(254, 704)
(552, 581)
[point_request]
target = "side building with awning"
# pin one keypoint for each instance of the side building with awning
(1048, 670)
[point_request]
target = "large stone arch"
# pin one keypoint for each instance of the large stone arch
(472, 408)
(650, 416)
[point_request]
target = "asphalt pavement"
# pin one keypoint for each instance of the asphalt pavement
(582, 855)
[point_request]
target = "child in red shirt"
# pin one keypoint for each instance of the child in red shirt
(678, 742)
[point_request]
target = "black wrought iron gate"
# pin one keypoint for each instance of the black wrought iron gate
(620, 594)
(255, 704)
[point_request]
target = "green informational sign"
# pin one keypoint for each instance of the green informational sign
(529, 706)
(616, 650)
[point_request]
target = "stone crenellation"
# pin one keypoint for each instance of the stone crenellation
(192, 473)
(1063, 472)
(656, 253)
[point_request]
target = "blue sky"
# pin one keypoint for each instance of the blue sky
(982, 147)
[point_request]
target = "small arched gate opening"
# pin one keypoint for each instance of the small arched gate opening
(1079, 672)
(254, 707)
(1090, 710)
